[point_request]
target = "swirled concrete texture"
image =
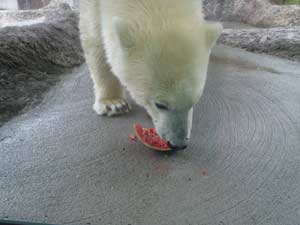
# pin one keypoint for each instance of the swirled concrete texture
(60, 163)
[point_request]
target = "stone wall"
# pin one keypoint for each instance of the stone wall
(32, 4)
(8, 4)
(282, 42)
(256, 12)
(33, 56)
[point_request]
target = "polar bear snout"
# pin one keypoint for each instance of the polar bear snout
(176, 147)
(177, 140)
(175, 128)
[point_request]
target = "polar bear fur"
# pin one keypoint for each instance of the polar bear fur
(157, 49)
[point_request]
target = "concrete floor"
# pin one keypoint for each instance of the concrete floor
(60, 163)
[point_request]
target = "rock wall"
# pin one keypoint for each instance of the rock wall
(52, 42)
(34, 53)
(281, 42)
(256, 12)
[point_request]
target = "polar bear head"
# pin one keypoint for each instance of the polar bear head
(164, 68)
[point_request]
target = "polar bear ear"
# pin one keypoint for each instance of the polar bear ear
(213, 32)
(124, 32)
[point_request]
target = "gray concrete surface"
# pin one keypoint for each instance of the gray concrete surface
(60, 163)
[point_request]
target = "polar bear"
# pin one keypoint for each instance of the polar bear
(156, 49)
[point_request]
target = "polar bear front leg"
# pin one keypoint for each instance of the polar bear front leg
(109, 94)
(109, 100)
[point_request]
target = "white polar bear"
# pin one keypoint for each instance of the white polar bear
(158, 49)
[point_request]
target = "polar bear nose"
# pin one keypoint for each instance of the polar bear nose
(177, 147)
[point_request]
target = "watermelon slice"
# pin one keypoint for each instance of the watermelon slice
(151, 139)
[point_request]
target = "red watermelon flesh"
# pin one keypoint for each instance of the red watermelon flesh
(150, 138)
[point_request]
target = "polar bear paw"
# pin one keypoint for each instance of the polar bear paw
(113, 107)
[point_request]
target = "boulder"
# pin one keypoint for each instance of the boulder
(282, 42)
(36, 46)
(48, 40)
(260, 13)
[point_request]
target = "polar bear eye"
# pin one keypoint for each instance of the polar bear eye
(161, 106)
